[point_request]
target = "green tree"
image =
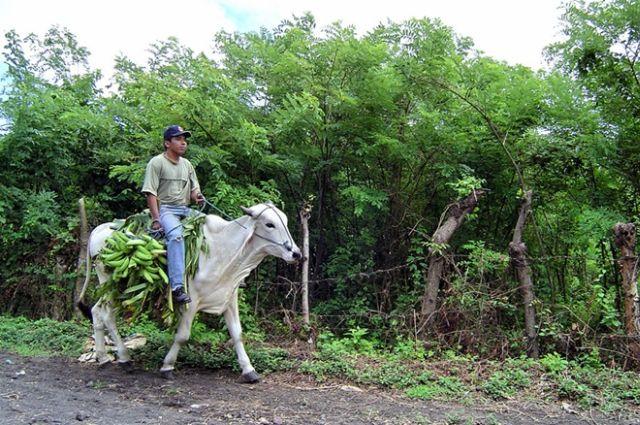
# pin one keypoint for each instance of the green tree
(600, 49)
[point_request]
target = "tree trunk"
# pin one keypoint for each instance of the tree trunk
(625, 238)
(454, 218)
(305, 213)
(518, 254)
(82, 257)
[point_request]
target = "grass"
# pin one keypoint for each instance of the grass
(42, 337)
(585, 383)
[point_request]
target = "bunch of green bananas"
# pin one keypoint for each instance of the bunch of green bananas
(137, 264)
(138, 261)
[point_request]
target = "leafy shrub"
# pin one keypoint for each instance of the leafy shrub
(355, 342)
(388, 374)
(570, 389)
(409, 349)
(324, 368)
(554, 363)
(505, 384)
(445, 386)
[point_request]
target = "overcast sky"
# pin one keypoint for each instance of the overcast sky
(511, 30)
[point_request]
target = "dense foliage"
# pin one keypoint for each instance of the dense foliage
(381, 133)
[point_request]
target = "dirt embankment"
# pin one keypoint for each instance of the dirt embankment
(63, 391)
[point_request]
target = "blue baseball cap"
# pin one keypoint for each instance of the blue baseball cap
(175, 131)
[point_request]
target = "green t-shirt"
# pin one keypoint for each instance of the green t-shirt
(171, 182)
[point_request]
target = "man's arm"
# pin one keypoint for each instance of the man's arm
(197, 197)
(152, 203)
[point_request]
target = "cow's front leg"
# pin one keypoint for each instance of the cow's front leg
(232, 317)
(182, 336)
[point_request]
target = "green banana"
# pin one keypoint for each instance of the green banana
(121, 236)
(138, 297)
(146, 238)
(112, 256)
(163, 275)
(115, 263)
(142, 253)
(154, 244)
(135, 242)
(135, 288)
(112, 242)
(123, 265)
(147, 276)
(141, 262)
(155, 276)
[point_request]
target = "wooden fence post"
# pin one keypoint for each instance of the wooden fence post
(454, 218)
(305, 213)
(625, 239)
(518, 254)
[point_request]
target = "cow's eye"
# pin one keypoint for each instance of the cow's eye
(270, 225)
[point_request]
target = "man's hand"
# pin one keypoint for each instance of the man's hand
(200, 200)
(156, 225)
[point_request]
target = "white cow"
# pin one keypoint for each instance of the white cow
(235, 248)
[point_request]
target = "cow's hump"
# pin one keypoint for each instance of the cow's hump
(215, 224)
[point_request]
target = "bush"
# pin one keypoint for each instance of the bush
(445, 386)
(505, 384)
(554, 363)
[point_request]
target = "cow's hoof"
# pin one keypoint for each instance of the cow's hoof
(250, 377)
(167, 374)
(127, 366)
(104, 365)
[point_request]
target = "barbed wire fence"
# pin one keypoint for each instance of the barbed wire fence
(580, 335)
(372, 273)
(294, 286)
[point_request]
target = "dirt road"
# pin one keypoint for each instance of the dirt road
(64, 391)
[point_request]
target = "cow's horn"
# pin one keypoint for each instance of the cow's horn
(247, 211)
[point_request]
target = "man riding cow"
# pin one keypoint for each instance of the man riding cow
(234, 249)
(170, 183)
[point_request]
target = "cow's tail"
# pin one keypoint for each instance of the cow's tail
(84, 308)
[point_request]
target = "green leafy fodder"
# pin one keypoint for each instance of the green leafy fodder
(136, 261)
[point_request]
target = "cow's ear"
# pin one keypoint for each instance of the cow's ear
(247, 211)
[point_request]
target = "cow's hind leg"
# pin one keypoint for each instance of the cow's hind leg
(103, 318)
(182, 336)
(232, 318)
(98, 334)
(110, 322)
